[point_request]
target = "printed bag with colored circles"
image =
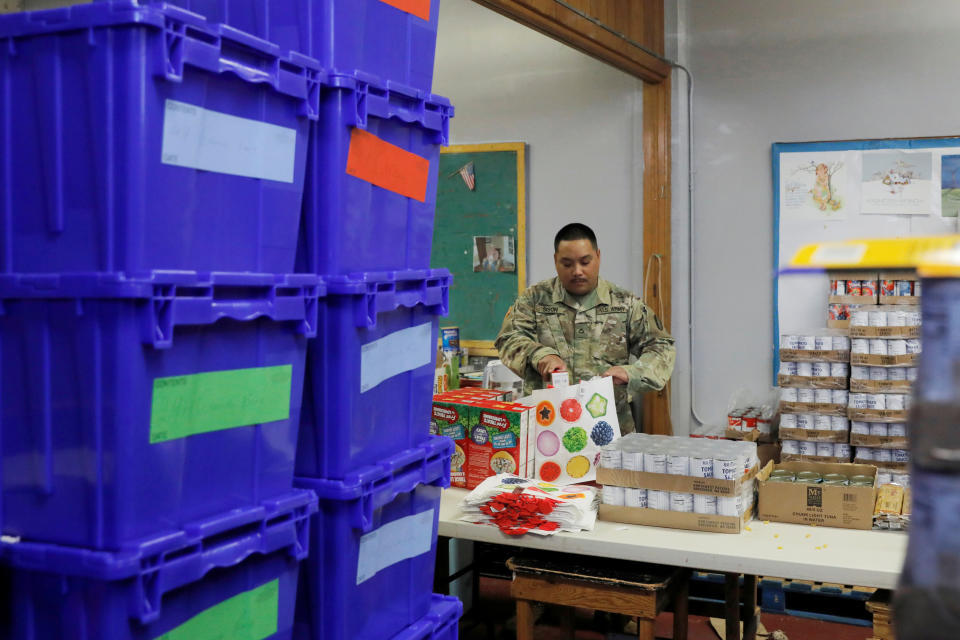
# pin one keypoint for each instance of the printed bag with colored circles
(573, 423)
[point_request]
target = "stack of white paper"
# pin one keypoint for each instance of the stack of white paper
(518, 505)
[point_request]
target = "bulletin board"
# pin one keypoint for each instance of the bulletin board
(840, 190)
(479, 235)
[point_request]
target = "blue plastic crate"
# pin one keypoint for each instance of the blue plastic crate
(143, 138)
(369, 381)
(395, 39)
(236, 572)
(129, 406)
(375, 541)
(442, 622)
(349, 223)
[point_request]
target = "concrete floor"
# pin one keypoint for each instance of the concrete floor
(497, 607)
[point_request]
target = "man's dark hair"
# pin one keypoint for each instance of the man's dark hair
(574, 231)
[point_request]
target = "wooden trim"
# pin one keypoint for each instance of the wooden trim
(580, 594)
(642, 22)
(480, 348)
(656, 230)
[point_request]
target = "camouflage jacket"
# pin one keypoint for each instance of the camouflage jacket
(606, 328)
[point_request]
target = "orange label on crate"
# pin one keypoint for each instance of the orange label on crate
(387, 166)
(419, 8)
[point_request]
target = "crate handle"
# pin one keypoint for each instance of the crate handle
(167, 310)
(434, 295)
(162, 574)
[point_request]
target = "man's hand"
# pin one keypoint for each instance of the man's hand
(549, 364)
(619, 375)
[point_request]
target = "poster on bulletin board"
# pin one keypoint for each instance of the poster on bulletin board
(832, 191)
(480, 236)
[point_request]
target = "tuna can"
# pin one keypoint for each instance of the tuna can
(788, 368)
(913, 345)
(859, 318)
(787, 421)
(636, 498)
(839, 369)
(860, 345)
(841, 450)
(806, 395)
(807, 448)
(659, 500)
(822, 423)
(823, 343)
(904, 288)
(612, 495)
(788, 394)
(876, 401)
(877, 318)
(888, 287)
(841, 343)
(859, 372)
(897, 347)
(678, 464)
(878, 429)
(883, 455)
(879, 373)
(804, 421)
(788, 341)
(805, 369)
(822, 396)
(704, 504)
(821, 370)
(860, 427)
(839, 396)
(682, 502)
(897, 430)
(895, 402)
(868, 287)
(864, 453)
(897, 373)
(901, 455)
(789, 446)
(896, 318)
(839, 423)
(655, 462)
(807, 343)
(825, 449)
(854, 288)
(878, 347)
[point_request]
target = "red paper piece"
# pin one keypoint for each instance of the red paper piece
(419, 8)
(387, 166)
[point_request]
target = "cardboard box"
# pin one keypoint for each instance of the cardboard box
(827, 506)
(809, 382)
(878, 415)
(906, 360)
(880, 386)
(881, 442)
(813, 435)
(667, 482)
(885, 332)
(889, 466)
(855, 275)
(804, 355)
(894, 275)
(796, 457)
(814, 407)
(675, 519)
(452, 419)
(752, 435)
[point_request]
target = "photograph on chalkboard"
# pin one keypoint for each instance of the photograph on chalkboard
(494, 254)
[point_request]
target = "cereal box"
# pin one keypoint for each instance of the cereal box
(498, 441)
(451, 418)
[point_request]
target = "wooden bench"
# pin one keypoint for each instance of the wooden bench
(628, 588)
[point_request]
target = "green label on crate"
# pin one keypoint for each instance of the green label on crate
(187, 405)
(251, 615)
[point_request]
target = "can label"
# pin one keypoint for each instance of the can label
(678, 465)
(655, 463)
(888, 287)
(807, 343)
(839, 396)
(825, 449)
(853, 288)
(823, 343)
(878, 373)
(916, 289)
(658, 500)
(895, 402)
(868, 287)
(805, 369)
(841, 450)
(787, 421)
(701, 467)
(727, 468)
(878, 429)
(823, 396)
(841, 343)
(876, 401)
(805, 395)
(823, 423)
(735, 421)
(878, 347)
(450, 338)
(681, 502)
(839, 369)
(913, 346)
(612, 495)
(839, 423)
(728, 506)
(805, 421)
(857, 426)
(635, 498)
(749, 423)
(821, 369)
(904, 288)
(611, 458)
(704, 504)
(860, 319)
(807, 448)
(897, 429)
(788, 368)
(901, 455)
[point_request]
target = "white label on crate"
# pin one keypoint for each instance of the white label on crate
(198, 138)
(395, 353)
(393, 542)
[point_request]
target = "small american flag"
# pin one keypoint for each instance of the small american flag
(469, 178)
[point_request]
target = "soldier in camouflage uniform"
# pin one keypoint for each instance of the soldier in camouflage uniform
(586, 326)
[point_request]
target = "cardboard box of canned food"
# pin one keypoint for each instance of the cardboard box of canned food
(854, 287)
(813, 435)
(835, 383)
(800, 457)
(843, 506)
(725, 489)
(880, 386)
(881, 442)
(899, 287)
(904, 333)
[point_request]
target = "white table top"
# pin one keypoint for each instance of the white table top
(845, 556)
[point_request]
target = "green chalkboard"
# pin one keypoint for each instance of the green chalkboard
(479, 235)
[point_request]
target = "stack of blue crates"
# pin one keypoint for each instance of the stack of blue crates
(153, 331)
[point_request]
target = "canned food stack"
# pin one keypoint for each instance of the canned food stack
(848, 292)
(751, 423)
(813, 378)
(676, 456)
(885, 351)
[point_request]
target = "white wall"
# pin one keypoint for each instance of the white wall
(580, 118)
(782, 71)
